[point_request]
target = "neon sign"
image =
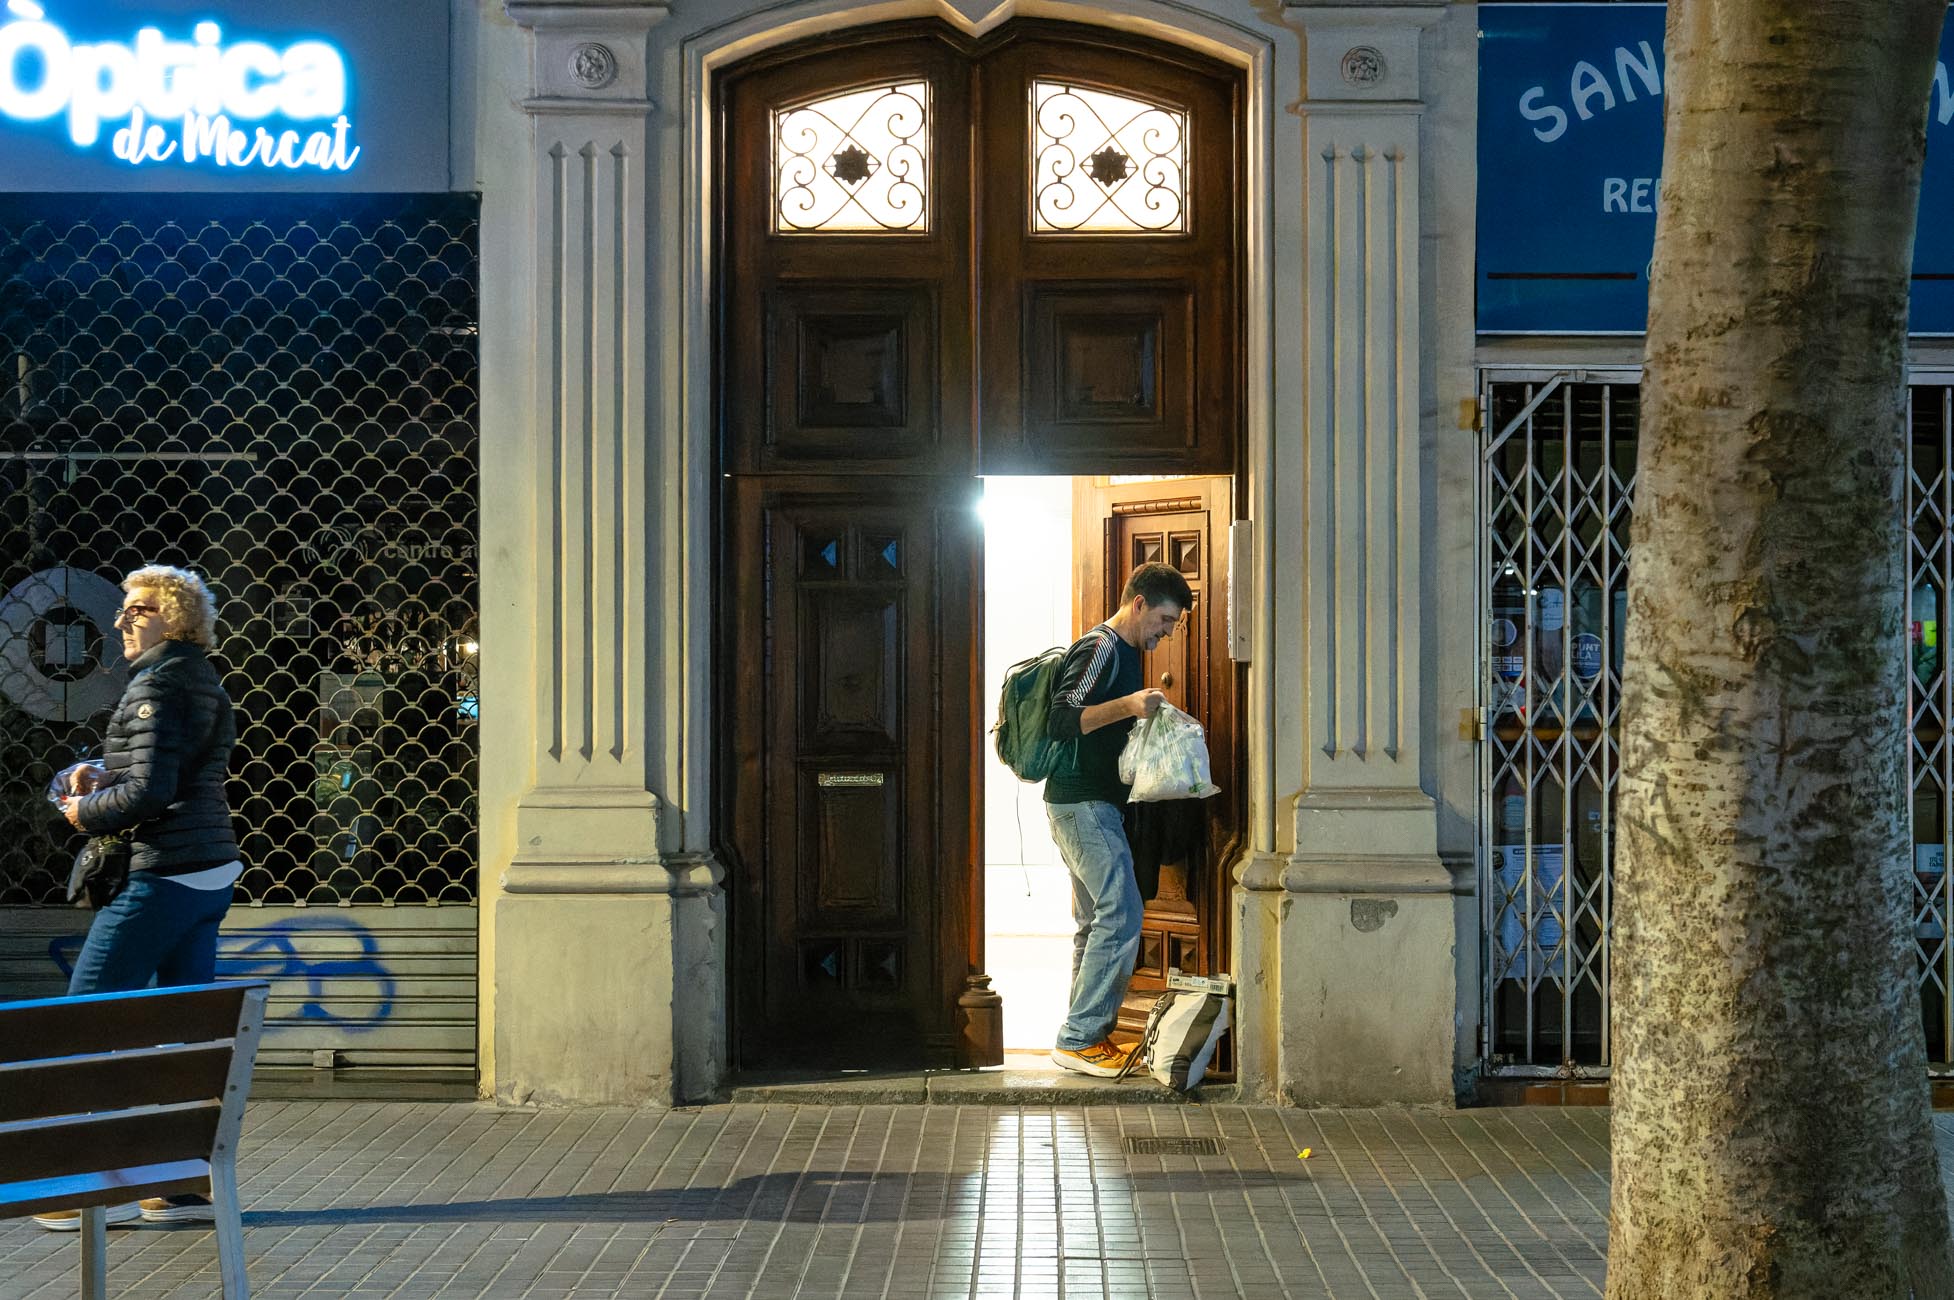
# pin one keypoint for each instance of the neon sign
(211, 95)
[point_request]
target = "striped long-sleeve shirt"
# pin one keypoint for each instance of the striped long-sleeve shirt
(1100, 666)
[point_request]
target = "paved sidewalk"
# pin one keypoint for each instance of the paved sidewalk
(392, 1201)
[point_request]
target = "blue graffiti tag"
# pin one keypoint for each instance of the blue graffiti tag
(273, 952)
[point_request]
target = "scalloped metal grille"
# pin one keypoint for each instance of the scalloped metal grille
(281, 393)
(1558, 473)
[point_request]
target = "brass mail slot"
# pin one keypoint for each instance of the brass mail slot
(828, 780)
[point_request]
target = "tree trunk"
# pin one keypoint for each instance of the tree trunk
(1771, 1126)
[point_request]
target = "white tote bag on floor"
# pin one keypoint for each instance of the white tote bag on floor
(1183, 1028)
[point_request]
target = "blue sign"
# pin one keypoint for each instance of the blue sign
(275, 95)
(1570, 156)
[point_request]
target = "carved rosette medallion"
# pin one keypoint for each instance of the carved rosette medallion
(593, 65)
(1363, 66)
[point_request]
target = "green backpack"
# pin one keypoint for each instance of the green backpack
(1023, 741)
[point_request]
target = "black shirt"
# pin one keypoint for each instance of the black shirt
(1100, 666)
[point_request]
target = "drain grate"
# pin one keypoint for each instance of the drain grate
(1173, 1146)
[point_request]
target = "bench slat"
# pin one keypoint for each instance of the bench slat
(78, 1191)
(153, 1076)
(89, 1144)
(113, 1022)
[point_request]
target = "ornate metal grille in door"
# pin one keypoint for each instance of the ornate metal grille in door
(1558, 473)
(280, 393)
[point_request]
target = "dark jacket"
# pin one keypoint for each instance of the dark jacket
(1161, 834)
(167, 748)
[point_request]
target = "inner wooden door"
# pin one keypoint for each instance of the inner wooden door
(1179, 522)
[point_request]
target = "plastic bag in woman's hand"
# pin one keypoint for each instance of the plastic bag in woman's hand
(74, 780)
(1166, 757)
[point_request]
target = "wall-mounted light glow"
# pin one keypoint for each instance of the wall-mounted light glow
(201, 86)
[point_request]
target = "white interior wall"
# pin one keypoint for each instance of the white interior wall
(1028, 601)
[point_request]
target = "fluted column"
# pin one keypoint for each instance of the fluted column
(586, 933)
(1367, 943)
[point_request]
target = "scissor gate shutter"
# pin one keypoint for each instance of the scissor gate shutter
(1558, 475)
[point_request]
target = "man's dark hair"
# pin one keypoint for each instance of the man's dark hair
(1158, 583)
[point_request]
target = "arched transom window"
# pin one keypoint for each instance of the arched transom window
(1106, 163)
(857, 161)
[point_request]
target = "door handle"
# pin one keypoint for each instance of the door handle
(1166, 681)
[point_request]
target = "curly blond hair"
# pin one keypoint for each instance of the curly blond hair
(189, 606)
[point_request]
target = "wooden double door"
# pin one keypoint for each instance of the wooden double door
(905, 307)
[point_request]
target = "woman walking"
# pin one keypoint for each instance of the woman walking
(160, 786)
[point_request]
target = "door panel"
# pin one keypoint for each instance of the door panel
(1111, 368)
(851, 373)
(852, 704)
(849, 349)
(1174, 521)
(1109, 351)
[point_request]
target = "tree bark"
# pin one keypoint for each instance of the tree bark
(1772, 1135)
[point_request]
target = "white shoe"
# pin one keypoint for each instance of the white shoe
(70, 1220)
(179, 1209)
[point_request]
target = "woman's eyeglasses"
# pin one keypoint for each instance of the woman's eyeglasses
(130, 613)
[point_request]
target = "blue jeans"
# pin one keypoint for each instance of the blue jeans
(156, 929)
(1105, 907)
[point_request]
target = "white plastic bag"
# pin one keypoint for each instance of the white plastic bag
(1166, 757)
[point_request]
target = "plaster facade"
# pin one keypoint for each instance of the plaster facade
(587, 128)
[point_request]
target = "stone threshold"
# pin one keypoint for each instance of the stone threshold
(1022, 1081)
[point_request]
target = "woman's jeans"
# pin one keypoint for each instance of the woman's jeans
(155, 928)
(1106, 908)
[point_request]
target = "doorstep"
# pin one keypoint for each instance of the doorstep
(1024, 1080)
(1496, 1091)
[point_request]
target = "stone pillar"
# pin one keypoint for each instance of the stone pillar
(1364, 908)
(587, 944)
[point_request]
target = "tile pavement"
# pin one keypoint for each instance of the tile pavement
(453, 1201)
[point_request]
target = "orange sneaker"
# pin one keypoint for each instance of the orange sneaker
(1103, 1060)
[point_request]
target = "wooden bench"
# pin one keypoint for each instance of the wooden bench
(113, 1097)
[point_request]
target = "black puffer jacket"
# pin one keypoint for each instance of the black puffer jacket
(168, 745)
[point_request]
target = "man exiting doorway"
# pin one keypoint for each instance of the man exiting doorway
(1098, 698)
